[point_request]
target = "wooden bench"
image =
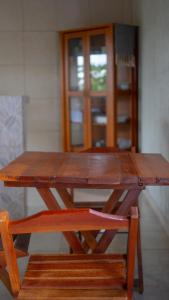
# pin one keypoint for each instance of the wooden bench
(71, 276)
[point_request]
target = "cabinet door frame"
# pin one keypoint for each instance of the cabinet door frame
(87, 93)
(111, 92)
(67, 93)
(108, 93)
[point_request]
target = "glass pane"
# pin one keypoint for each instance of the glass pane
(76, 120)
(76, 64)
(98, 63)
(124, 77)
(99, 121)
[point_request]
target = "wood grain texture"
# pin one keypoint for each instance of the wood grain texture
(67, 220)
(87, 169)
(76, 276)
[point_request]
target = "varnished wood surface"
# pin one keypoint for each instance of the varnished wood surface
(87, 169)
(63, 276)
(111, 91)
(74, 277)
(67, 220)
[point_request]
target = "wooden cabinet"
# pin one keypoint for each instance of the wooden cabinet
(99, 87)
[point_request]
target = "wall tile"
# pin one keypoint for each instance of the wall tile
(40, 47)
(41, 81)
(73, 14)
(40, 15)
(11, 49)
(11, 80)
(109, 11)
(44, 141)
(55, 15)
(11, 17)
(42, 114)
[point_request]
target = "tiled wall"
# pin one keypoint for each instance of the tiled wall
(29, 56)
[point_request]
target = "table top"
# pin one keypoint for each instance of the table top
(86, 169)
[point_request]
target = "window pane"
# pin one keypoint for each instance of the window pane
(99, 121)
(98, 63)
(76, 119)
(124, 77)
(76, 64)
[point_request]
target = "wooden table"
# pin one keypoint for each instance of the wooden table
(121, 172)
(127, 174)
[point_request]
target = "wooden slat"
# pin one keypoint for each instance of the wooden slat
(71, 294)
(71, 277)
(74, 265)
(74, 283)
(74, 273)
(151, 168)
(81, 257)
(68, 220)
(87, 169)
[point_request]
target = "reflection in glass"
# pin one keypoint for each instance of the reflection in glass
(98, 63)
(76, 64)
(76, 120)
(99, 121)
(124, 80)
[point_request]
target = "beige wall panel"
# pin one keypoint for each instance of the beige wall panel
(11, 48)
(11, 15)
(41, 81)
(43, 141)
(11, 80)
(50, 15)
(40, 47)
(42, 114)
(109, 11)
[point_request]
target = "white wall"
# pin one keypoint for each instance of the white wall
(153, 18)
(29, 57)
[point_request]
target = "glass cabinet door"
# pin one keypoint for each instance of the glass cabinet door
(99, 121)
(125, 60)
(76, 64)
(75, 95)
(123, 106)
(98, 63)
(76, 120)
(98, 87)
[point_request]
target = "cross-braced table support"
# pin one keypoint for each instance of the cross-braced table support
(119, 203)
(130, 199)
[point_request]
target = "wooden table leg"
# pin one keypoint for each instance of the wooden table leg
(140, 263)
(112, 201)
(123, 210)
(90, 241)
(130, 200)
(52, 204)
(108, 207)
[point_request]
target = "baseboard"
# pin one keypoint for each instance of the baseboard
(162, 219)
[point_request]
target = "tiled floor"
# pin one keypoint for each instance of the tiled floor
(155, 244)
